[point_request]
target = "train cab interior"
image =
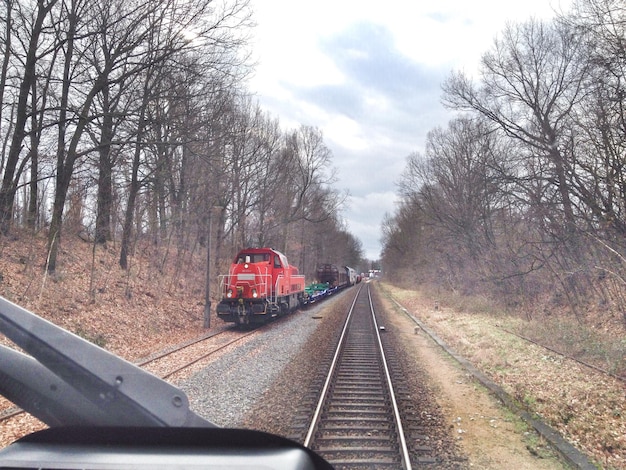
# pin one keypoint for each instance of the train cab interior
(106, 413)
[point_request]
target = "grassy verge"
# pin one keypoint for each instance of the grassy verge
(585, 405)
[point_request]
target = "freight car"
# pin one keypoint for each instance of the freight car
(260, 285)
(331, 274)
(336, 277)
(353, 277)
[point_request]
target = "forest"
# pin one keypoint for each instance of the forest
(522, 197)
(126, 121)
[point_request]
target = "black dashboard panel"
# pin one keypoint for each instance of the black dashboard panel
(108, 448)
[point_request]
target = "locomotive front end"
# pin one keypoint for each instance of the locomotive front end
(245, 289)
(260, 285)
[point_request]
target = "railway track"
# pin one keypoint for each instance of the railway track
(171, 362)
(356, 423)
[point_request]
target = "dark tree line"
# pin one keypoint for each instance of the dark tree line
(129, 119)
(522, 195)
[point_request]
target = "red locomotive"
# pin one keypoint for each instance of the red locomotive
(260, 285)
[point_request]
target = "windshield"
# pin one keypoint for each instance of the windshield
(464, 158)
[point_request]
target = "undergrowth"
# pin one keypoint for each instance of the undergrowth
(596, 338)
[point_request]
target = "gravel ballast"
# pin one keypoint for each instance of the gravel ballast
(229, 392)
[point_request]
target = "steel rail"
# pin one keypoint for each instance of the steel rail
(204, 356)
(8, 413)
(329, 378)
(373, 400)
(396, 411)
(180, 347)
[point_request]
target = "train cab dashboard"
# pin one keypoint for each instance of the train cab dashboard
(115, 448)
(105, 413)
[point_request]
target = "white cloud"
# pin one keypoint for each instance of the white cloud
(369, 76)
(345, 132)
(374, 202)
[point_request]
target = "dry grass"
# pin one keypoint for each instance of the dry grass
(586, 406)
(129, 312)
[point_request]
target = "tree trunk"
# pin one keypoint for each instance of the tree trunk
(31, 215)
(128, 215)
(65, 171)
(105, 175)
(11, 172)
(134, 183)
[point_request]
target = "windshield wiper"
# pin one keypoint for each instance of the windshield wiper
(70, 381)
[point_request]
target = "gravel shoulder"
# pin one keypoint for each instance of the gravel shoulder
(245, 387)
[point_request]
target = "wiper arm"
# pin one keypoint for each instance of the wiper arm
(96, 387)
(34, 388)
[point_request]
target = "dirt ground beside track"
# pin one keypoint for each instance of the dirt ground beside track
(490, 435)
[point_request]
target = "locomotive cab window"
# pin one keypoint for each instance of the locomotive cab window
(260, 258)
(253, 258)
(277, 262)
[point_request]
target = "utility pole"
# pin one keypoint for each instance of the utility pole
(207, 285)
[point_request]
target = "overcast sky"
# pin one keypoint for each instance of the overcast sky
(368, 75)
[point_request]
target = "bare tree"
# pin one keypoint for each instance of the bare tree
(406, 250)
(601, 119)
(461, 185)
(531, 81)
(271, 138)
(310, 168)
(13, 165)
(215, 55)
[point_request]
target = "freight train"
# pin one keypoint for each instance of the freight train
(262, 285)
(330, 279)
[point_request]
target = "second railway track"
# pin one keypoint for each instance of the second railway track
(357, 423)
(184, 356)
